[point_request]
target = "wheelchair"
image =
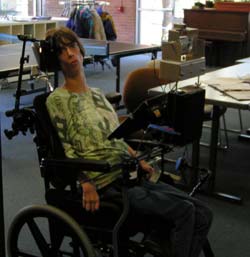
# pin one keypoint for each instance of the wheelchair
(69, 229)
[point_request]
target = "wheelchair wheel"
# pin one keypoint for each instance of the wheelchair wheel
(45, 231)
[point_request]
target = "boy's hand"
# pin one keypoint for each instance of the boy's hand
(90, 197)
(147, 168)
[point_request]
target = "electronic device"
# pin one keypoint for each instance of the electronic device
(177, 116)
(46, 55)
(183, 54)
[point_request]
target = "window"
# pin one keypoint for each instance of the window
(180, 5)
(156, 17)
(11, 8)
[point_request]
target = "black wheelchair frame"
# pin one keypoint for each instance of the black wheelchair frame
(52, 160)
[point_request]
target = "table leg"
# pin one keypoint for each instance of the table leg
(245, 137)
(194, 177)
(117, 73)
(213, 159)
(2, 229)
(154, 55)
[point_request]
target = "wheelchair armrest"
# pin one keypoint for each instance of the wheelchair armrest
(78, 164)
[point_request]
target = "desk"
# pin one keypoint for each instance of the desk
(10, 54)
(243, 60)
(244, 136)
(119, 50)
(216, 98)
(10, 59)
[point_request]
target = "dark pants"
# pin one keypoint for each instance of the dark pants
(191, 219)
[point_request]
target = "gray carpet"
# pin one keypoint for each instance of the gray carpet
(23, 185)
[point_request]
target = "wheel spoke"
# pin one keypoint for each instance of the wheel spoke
(39, 238)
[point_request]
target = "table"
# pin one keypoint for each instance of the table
(247, 135)
(10, 55)
(243, 60)
(10, 59)
(119, 50)
(216, 98)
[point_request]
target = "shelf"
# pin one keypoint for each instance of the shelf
(16, 29)
(35, 28)
(29, 29)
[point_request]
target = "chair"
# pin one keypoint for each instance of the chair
(61, 191)
(96, 238)
(137, 84)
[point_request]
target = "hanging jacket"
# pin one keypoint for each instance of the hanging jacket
(109, 26)
(81, 22)
(99, 32)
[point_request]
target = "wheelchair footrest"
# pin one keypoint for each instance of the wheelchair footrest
(157, 249)
(153, 248)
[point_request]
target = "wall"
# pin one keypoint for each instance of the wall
(125, 21)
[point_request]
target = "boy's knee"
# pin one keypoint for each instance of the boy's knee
(189, 207)
(187, 210)
(204, 219)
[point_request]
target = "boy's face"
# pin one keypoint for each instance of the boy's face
(70, 58)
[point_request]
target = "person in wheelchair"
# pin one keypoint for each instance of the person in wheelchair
(83, 119)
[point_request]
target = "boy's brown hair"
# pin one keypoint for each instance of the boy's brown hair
(62, 36)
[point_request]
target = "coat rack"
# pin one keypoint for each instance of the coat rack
(68, 4)
(90, 3)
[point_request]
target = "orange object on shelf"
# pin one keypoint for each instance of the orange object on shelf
(232, 6)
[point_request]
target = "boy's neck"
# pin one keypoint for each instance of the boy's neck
(76, 85)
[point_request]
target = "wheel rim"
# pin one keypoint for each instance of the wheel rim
(30, 217)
